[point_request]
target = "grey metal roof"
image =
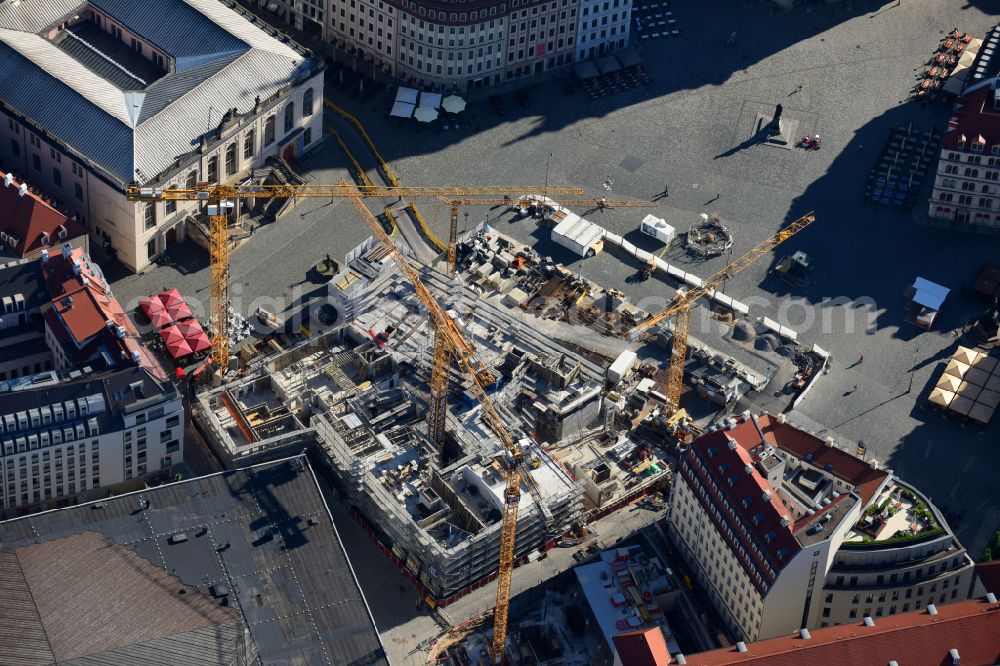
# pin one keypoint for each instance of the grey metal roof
(108, 57)
(264, 532)
(36, 15)
(222, 61)
(174, 26)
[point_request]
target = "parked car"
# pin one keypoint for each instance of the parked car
(498, 105)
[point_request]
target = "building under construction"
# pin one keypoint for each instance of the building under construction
(357, 395)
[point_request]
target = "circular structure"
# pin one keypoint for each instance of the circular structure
(708, 237)
(768, 342)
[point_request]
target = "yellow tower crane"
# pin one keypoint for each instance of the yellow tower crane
(680, 309)
(220, 199)
(438, 407)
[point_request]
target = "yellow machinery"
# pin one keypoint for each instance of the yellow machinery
(439, 374)
(220, 199)
(680, 309)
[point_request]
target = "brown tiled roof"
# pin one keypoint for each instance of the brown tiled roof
(85, 594)
(645, 647)
(843, 465)
(973, 118)
(728, 467)
(28, 217)
(911, 639)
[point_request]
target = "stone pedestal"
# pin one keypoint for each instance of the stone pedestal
(782, 136)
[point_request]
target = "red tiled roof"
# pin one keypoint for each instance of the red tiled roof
(745, 491)
(83, 322)
(910, 639)
(28, 217)
(972, 118)
(842, 464)
(645, 647)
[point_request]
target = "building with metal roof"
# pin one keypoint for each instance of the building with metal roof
(240, 567)
(160, 94)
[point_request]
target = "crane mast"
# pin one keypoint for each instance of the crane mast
(680, 309)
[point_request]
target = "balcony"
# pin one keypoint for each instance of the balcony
(899, 516)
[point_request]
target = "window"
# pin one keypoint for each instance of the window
(57, 176)
(116, 32)
(248, 145)
(158, 61)
(307, 103)
(15, 148)
(173, 446)
(150, 253)
(307, 136)
(231, 159)
(78, 191)
(171, 205)
(289, 117)
(137, 45)
(269, 131)
(149, 215)
(192, 178)
(213, 169)
(36, 162)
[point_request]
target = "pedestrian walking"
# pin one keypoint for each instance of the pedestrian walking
(666, 190)
(854, 389)
(861, 359)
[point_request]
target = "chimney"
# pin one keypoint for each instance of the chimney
(741, 646)
(45, 256)
(804, 633)
(932, 609)
(8, 179)
(21, 191)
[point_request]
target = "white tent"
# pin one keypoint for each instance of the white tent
(408, 95)
(453, 104)
(430, 99)
(402, 110)
(425, 114)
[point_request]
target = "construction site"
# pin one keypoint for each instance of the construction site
(358, 394)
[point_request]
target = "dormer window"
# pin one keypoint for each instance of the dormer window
(995, 149)
(747, 502)
(977, 147)
(960, 144)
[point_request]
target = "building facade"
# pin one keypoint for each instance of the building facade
(603, 27)
(967, 181)
(113, 96)
(63, 435)
(457, 48)
(785, 531)
(23, 351)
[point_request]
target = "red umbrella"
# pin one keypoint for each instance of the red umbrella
(171, 297)
(151, 304)
(179, 311)
(194, 335)
(171, 334)
(179, 348)
(160, 318)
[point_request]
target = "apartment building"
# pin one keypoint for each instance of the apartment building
(603, 27)
(456, 48)
(786, 531)
(30, 221)
(100, 95)
(64, 434)
(22, 343)
(967, 182)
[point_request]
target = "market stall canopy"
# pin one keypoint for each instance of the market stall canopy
(431, 100)
(453, 104)
(949, 383)
(977, 376)
(966, 355)
(607, 65)
(402, 110)
(408, 95)
(151, 304)
(956, 81)
(194, 335)
(989, 398)
(956, 369)
(425, 114)
(171, 334)
(160, 318)
(968, 390)
(961, 405)
(629, 58)
(929, 294)
(940, 397)
(981, 413)
(179, 311)
(994, 383)
(586, 70)
(171, 297)
(985, 363)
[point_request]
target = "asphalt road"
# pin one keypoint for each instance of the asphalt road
(687, 131)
